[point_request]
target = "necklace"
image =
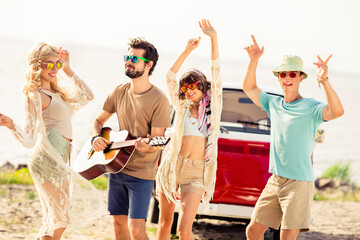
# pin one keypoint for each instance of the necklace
(194, 104)
(190, 117)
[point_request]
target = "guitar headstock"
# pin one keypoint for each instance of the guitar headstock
(159, 141)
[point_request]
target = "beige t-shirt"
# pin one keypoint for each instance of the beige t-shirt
(138, 113)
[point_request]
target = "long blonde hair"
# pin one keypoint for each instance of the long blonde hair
(37, 54)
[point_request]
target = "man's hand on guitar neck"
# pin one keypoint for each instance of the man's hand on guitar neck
(142, 145)
(100, 144)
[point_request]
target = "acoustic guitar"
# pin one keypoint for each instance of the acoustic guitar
(91, 164)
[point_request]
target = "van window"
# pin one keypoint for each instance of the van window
(240, 114)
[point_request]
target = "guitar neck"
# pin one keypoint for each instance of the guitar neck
(154, 141)
(117, 145)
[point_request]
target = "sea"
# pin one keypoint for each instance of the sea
(102, 68)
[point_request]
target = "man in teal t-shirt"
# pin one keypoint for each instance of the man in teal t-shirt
(287, 196)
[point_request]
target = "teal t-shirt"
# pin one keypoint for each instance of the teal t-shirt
(293, 128)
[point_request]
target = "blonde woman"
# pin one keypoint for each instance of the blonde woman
(48, 131)
(189, 167)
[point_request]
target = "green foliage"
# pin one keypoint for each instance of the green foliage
(30, 195)
(151, 230)
(319, 197)
(100, 182)
(339, 172)
(21, 176)
(2, 191)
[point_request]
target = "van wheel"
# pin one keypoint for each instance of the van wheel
(276, 234)
(154, 210)
(174, 224)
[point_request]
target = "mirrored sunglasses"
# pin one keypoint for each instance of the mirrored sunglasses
(134, 59)
(291, 74)
(191, 86)
(51, 65)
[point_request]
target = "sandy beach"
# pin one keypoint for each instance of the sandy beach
(20, 218)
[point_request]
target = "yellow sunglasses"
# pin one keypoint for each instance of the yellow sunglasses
(51, 65)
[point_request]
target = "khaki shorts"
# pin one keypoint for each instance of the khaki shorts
(190, 174)
(285, 201)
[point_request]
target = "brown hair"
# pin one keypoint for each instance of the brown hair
(192, 76)
(150, 51)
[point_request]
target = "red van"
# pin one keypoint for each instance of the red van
(243, 158)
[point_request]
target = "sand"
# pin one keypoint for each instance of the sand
(20, 218)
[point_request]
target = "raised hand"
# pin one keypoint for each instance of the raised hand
(322, 68)
(254, 51)
(207, 28)
(65, 59)
(193, 43)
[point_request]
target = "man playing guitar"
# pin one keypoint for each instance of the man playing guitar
(142, 109)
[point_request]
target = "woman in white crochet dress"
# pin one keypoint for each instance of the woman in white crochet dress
(188, 169)
(48, 131)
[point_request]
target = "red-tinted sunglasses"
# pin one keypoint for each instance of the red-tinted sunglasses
(291, 74)
(191, 86)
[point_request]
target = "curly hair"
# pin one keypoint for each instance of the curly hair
(38, 53)
(192, 76)
(150, 51)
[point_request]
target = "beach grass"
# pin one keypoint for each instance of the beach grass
(343, 190)
(339, 172)
(22, 176)
(100, 182)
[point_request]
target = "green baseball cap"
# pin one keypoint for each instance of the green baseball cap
(290, 63)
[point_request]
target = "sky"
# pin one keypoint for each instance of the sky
(305, 27)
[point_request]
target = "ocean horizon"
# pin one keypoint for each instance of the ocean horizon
(102, 68)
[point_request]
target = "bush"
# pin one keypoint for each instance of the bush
(22, 176)
(338, 172)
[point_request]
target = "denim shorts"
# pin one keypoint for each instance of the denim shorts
(129, 195)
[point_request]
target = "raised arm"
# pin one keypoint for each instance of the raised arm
(172, 84)
(190, 46)
(334, 109)
(249, 83)
(211, 32)
(80, 94)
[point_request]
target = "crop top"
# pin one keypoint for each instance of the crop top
(191, 127)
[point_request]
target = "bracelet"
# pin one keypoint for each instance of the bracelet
(322, 80)
(93, 138)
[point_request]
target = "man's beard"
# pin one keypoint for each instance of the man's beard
(134, 74)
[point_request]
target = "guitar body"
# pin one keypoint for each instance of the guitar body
(99, 163)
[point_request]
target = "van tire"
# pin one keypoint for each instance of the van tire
(174, 224)
(154, 210)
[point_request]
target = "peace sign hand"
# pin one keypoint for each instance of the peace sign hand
(193, 43)
(254, 51)
(322, 68)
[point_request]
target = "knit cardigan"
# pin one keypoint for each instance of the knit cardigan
(166, 175)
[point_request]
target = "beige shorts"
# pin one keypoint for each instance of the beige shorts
(285, 201)
(190, 174)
